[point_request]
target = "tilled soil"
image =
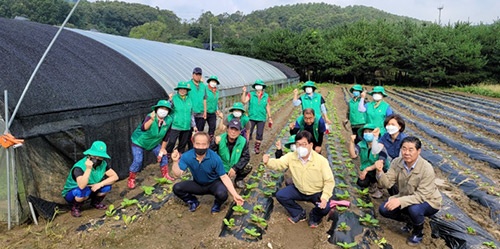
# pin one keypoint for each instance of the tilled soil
(173, 226)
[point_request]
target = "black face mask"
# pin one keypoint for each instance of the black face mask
(95, 162)
(200, 152)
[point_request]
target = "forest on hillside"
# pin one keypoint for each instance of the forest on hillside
(322, 42)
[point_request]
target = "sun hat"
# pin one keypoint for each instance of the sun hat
(98, 148)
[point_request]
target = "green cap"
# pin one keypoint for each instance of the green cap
(309, 84)
(356, 87)
(183, 85)
(237, 106)
(366, 126)
(98, 148)
(259, 82)
(162, 103)
(291, 140)
(213, 77)
(378, 89)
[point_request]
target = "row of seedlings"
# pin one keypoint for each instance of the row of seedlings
(355, 226)
(249, 222)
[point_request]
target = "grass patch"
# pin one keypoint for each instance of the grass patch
(484, 89)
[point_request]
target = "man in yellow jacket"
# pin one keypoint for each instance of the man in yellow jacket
(312, 177)
(418, 194)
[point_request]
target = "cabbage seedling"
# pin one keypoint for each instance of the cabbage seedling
(343, 227)
(381, 243)
(240, 209)
(128, 219)
(340, 208)
(259, 220)
(144, 208)
(252, 232)
(126, 202)
(111, 210)
(490, 244)
(258, 208)
(369, 220)
(148, 190)
(229, 223)
(341, 185)
(162, 180)
(471, 230)
(246, 196)
(346, 245)
(344, 196)
(252, 186)
(363, 204)
(363, 192)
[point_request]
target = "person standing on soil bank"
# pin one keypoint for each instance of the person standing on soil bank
(394, 125)
(91, 177)
(182, 119)
(209, 176)
(312, 177)
(418, 194)
(237, 111)
(233, 150)
(355, 117)
(311, 99)
(368, 159)
(377, 110)
(259, 103)
(151, 135)
(198, 96)
(308, 121)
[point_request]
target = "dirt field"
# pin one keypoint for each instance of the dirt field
(173, 226)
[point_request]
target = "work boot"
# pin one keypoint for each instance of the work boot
(298, 218)
(216, 207)
(131, 180)
(377, 194)
(257, 147)
(75, 210)
(416, 235)
(164, 172)
(96, 202)
(193, 205)
(239, 184)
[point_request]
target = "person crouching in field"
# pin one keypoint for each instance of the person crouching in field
(91, 177)
(418, 194)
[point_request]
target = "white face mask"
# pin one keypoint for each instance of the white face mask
(293, 147)
(302, 151)
(259, 87)
(162, 113)
(212, 84)
(309, 90)
(237, 114)
(392, 129)
(377, 96)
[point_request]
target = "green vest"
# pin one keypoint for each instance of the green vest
(230, 160)
(368, 159)
(181, 114)
(356, 117)
(96, 175)
(153, 136)
(314, 103)
(257, 107)
(212, 101)
(376, 116)
(243, 119)
(197, 95)
(302, 125)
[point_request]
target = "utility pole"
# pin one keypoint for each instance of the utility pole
(210, 37)
(439, 19)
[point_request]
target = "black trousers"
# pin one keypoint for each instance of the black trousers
(211, 120)
(242, 173)
(183, 136)
(260, 129)
(187, 189)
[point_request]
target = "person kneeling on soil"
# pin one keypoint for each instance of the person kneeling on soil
(312, 123)
(369, 159)
(90, 177)
(209, 176)
(233, 150)
(418, 194)
(312, 177)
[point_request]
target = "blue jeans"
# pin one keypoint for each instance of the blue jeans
(416, 212)
(85, 192)
(138, 154)
(288, 195)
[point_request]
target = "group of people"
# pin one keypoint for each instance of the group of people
(389, 159)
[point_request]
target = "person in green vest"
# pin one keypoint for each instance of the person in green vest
(312, 123)
(91, 177)
(259, 104)
(377, 110)
(290, 145)
(311, 99)
(368, 160)
(355, 117)
(182, 119)
(151, 135)
(198, 95)
(233, 150)
(237, 111)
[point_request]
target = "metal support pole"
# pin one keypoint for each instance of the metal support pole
(7, 159)
(39, 64)
(210, 37)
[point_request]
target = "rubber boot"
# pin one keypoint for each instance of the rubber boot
(164, 172)
(75, 210)
(416, 235)
(131, 180)
(256, 147)
(96, 202)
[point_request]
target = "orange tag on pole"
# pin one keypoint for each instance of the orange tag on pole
(7, 140)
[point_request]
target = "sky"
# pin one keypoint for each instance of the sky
(474, 11)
